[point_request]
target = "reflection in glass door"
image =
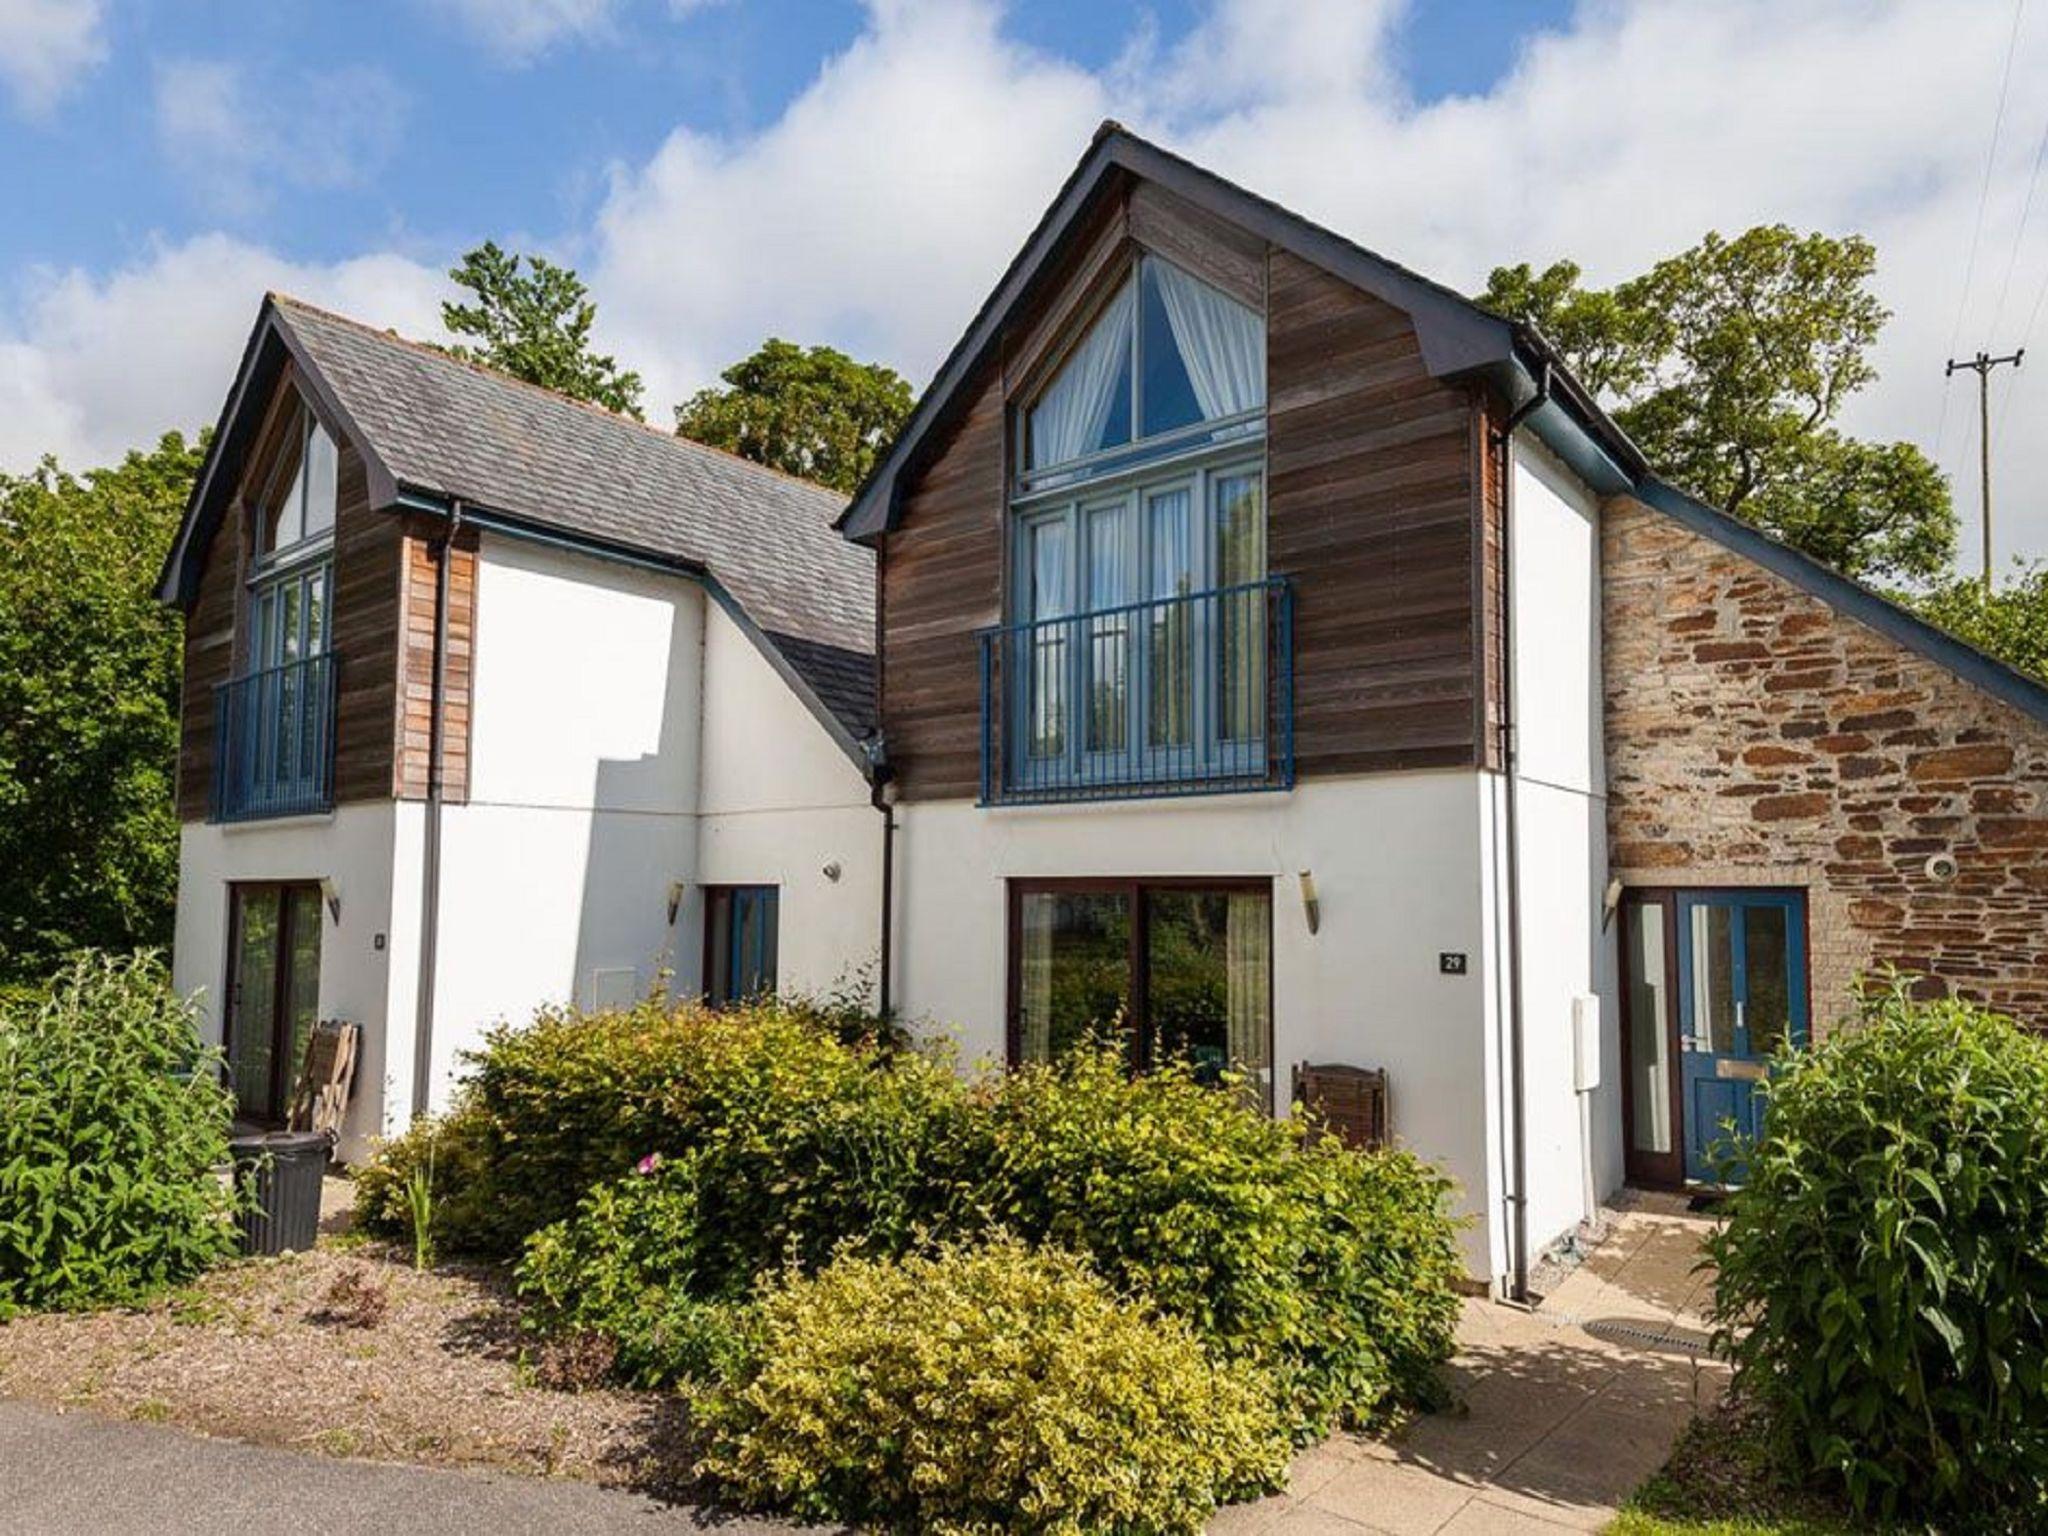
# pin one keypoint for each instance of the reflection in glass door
(273, 994)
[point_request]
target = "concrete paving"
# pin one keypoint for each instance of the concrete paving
(1563, 1411)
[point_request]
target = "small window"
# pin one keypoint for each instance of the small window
(297, 502)
(740, 924)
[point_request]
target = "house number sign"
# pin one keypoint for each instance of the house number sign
(1451, 963)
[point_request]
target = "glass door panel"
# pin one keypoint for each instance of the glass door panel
(1170, 672)
(1073, 968)
(1046, 643)
(1110, 585)
(252, 999)
(1650, 1031)
(1208, 981)
(1240, 521)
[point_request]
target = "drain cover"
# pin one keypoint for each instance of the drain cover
(1682, 1340)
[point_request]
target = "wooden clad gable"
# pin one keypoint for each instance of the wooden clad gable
(364, 624)
(1375, 471)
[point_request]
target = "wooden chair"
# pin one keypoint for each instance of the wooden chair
(1350, 1101)
(326, 1078)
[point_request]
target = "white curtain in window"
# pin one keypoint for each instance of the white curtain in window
(1222, 344)
(1248, 970)
(1069, 417)
(1034, 975)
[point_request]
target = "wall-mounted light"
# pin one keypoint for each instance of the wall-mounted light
(832, 871)
(675, 900)
(1610, 902)
(331, 894)
(1311, 904)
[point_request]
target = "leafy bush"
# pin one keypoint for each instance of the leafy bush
(985, 1389)
(553, 1107)
(803, 1146)
(112, 1122)
(1335, 1270)
(1884, 1271)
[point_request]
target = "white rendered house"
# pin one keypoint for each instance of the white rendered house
(615, 745)
(1248, 645)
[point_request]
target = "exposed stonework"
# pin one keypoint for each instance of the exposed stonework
(1755, 736)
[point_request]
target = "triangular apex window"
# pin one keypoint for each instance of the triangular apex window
(295, 489)
(1167, 361)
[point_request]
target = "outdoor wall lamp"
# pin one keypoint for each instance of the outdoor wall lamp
(1610, 902)
(1311, 904)
(331, 894)
(675, 900)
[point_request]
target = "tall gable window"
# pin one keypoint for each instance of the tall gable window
(1139, 652)
(1168, 364)
(296, 501)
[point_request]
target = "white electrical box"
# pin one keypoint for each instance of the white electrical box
(1585, 1042)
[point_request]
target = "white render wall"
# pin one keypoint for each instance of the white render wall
(1397, 867)
(782, 804)
(626, 734)
(582, 792)
(1561, 767)
(353, 849)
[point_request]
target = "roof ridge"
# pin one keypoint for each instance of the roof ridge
(590, 407)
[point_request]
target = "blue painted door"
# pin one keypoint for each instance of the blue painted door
(1741, 999)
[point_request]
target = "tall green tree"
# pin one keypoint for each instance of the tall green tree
(1729, 364)
(89, 676)
(2010, 623)
(813, 412)
(535, 325)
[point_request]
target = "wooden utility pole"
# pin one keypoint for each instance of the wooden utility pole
(1981, 365)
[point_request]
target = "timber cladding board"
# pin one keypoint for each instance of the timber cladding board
(1375, 471)
(1371, 498)
(363, 627)
(415, 641)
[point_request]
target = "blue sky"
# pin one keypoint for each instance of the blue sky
(858, 171)
(484, 145)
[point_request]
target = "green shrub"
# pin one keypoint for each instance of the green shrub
(112, 1122)
(1337, 1271)
(985, 1389)
(553, 1107)
(1884, 1271)
(804, 1147)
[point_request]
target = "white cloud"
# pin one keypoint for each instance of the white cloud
(45, 45)
(880, 207)
(518, 31)
(100, 364)
(232, 134)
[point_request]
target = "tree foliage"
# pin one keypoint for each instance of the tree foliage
(535, 325)
(1729, 364)
(2009, 622)
(812, 412)
(89, 677)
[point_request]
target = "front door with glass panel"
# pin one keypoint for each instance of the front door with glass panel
(1715, 984)
(1175, 969)
(273, 993)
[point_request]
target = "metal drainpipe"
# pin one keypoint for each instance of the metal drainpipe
(878, 779)
(430, 844)
(1519, 1148)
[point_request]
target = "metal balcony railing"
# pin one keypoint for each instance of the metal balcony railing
(1189, 694)
(273, 741)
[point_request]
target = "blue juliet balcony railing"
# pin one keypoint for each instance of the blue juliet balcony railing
(1190, 694)
(273, 741)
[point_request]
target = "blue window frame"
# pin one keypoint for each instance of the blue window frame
(740, 940)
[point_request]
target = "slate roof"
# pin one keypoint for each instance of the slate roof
(431, 425)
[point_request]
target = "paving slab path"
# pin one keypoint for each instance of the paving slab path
(1562, 1411)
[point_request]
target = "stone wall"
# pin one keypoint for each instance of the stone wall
(1758, 737)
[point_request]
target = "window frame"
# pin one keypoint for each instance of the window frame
(1143, 1032)
(283, 1071)
(730, 894)
(270, 498)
